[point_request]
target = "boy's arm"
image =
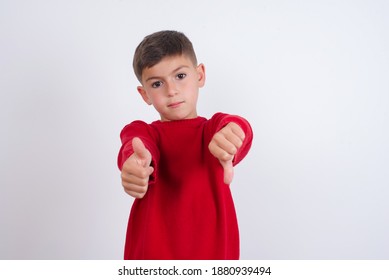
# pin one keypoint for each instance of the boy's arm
(231, 142)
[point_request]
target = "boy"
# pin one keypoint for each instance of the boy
(179, 168)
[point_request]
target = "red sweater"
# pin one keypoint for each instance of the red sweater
(188, 211)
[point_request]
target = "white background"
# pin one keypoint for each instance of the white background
(312, 77)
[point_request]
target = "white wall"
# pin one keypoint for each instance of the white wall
(311, 76)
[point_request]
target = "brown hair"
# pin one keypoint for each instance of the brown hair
(159, 45)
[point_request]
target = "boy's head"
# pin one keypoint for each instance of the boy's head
(165, 64)
(159, 45)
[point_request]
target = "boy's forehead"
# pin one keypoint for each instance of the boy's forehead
(167, 65)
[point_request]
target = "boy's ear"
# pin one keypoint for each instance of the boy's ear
(201, 74)
(144, 95)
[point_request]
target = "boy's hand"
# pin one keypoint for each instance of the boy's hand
(224, 145)
(137, 170)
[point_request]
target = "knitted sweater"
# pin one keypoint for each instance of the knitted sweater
(188, 211)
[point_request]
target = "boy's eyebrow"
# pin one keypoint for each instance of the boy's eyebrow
(175, 70)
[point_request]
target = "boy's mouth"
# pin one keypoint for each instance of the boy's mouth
(175, 104)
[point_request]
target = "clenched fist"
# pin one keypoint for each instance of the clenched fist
(224, 145)
(137, 170)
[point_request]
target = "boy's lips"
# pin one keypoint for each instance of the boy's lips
(175, 104)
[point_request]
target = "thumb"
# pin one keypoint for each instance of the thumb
(141, 152)
(228, 170)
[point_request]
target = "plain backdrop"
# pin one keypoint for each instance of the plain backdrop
(312, 77)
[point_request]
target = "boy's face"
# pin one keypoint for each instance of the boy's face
(172, 87)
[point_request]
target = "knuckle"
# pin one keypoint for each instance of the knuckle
(127, 168)
(124, 184)
(124, 176)
(129, 192)
(211, 147)
(145, 182)
(143, 174)
(127, 187)
(226, 157)
(218, 136)
(138, 195)
(135, 194)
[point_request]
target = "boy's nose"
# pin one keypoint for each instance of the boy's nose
(171, 89)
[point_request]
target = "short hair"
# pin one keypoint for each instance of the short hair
(159, 45)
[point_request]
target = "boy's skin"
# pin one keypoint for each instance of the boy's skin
(172, 87)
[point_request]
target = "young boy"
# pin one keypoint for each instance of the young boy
(179, 168)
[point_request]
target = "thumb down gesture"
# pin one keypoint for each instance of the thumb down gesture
(224, 145)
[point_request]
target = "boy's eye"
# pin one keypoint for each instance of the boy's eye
(181, 76)
(156, 84)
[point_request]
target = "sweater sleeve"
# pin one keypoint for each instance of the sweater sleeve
(145, 133)
(220, 120)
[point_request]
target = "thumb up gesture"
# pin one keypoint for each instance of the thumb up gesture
(137, 170)
(224, 145)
